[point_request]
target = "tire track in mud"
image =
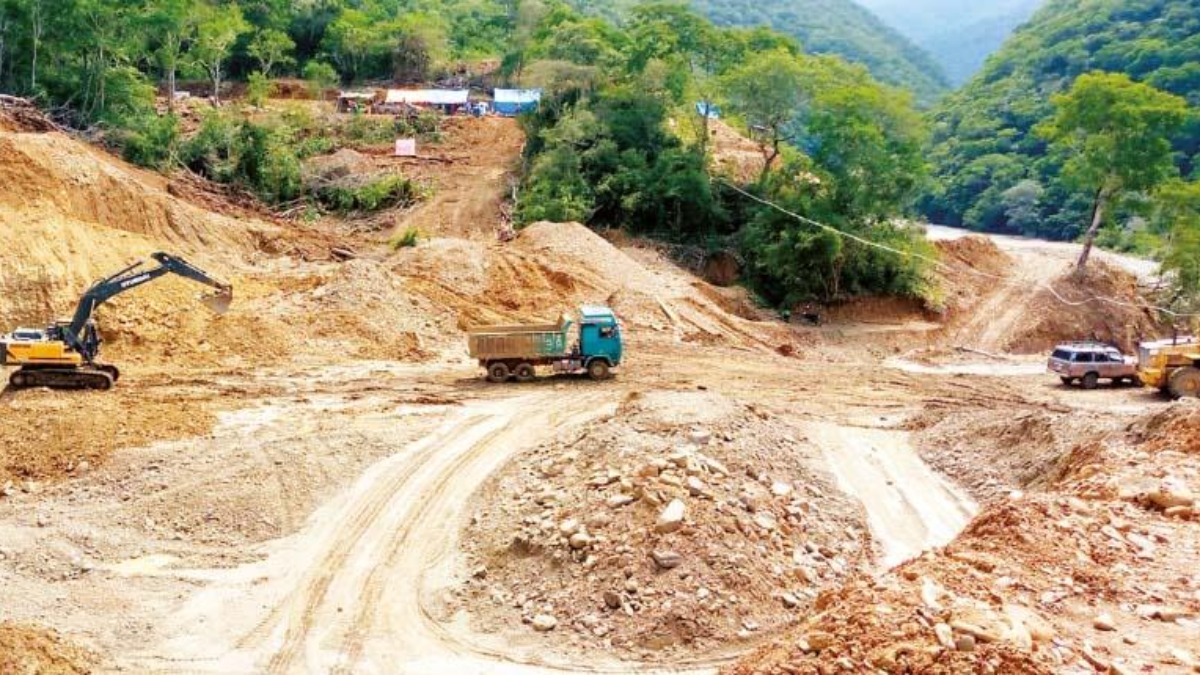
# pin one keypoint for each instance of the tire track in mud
(375, 564)
(300, 622)
(910, 507)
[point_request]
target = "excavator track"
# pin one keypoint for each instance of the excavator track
(101, 378)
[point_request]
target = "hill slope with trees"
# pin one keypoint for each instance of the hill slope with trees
(959, 36)
(995, 166)
(838, 27)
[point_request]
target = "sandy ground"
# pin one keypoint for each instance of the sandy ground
(299, 486)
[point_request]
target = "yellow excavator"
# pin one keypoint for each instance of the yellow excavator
(64, 354)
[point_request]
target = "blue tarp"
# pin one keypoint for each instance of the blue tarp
(704, 108)
(513, 102)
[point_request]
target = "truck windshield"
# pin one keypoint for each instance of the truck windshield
(1061, 354)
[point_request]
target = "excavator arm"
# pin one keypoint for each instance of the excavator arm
(81, 337)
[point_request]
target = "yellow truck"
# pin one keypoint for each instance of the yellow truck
(1171, 366)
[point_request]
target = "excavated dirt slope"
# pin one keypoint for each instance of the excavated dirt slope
(320, 481)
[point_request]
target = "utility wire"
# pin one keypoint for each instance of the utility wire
(949, 268)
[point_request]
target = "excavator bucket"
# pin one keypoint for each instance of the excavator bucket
(218, 301)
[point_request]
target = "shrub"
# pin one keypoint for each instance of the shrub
(320, 76)
(258, 89)
(380, 194)
(152, 141)
(406, 239)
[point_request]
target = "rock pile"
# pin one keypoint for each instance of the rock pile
(654, 531)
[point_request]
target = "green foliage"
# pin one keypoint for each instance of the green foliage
(379, 194)
(271, 47)
(261, 158)
(984, 141)
(258, 89)
(320, 76)
(838, 27)
(406, 239)
(1114, 133)
(1178, 215)
(152, 141)
(217, 29)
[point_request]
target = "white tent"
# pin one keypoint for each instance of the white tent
(427, 96)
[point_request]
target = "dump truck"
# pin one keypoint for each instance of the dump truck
(515, 352)
(1172, 366)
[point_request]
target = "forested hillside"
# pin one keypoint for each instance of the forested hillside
(996, 171)
(838, 27)
(958, 35)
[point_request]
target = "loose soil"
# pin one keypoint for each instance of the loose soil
(320, 481)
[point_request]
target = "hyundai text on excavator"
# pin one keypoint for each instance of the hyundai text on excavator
(64, 354)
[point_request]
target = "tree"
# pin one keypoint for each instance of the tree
(769, 93)
(1116, 136)
(320, 76)
(350, 40)
(218, 29)
(420, 44)
(1020, 204)
(173, 22)
(1178, 213)
(271, 47)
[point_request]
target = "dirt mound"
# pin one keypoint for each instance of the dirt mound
(28, 650)
(50, 178)
(18, 114)
(1084, 577)
(1068, 313)
(576, 530)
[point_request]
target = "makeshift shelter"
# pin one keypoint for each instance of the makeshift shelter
(352, 101)
(449, 101)
(513, 102)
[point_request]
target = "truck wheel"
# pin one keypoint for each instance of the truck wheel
(1185, 383)
(524, 372)
(497, 372)
(1067, 381)
(1091, 380)
(598, 370)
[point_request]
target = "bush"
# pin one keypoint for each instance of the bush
(406, 239)
(152, 141)
(258, 89)
(374, 196)
(320, 76)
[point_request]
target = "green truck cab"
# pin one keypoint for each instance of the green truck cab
(515, 352)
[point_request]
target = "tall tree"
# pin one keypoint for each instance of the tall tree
(218, 29)
(1178, 213)
(1116, 136)
(271, 47)
(174, 22)
(768, 91)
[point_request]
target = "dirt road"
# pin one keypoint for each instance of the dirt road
(909, 506)
(360, 587)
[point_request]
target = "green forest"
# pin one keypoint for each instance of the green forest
(1082, 126)
(996, 169)
(838, 27)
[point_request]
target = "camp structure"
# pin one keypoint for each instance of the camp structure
(354, 101)
(513, 102)
(448, 101)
